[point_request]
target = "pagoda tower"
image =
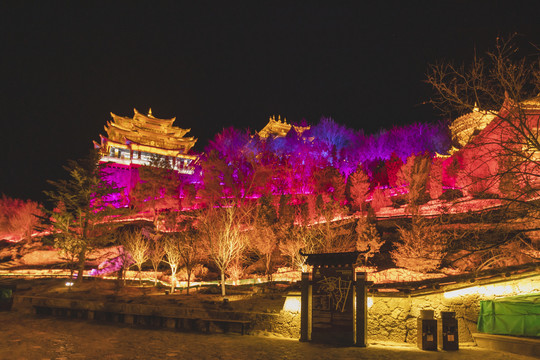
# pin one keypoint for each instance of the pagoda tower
(136, 141)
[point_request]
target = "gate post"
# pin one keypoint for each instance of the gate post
(361, 310)
(304, 308)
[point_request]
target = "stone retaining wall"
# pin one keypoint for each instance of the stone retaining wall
(390, 318)
(285, 324)
(394, 318)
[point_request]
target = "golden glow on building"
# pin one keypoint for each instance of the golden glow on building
(278, 128)
(136, 140)
(467, 126)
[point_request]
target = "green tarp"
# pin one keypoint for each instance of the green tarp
(514, 315)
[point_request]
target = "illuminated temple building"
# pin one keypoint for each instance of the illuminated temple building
(278, 128)
(464, 128)
(137, 140)
(134, 142)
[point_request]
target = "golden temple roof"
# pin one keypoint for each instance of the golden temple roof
(147, 130)
(464, 128)
(278, 128)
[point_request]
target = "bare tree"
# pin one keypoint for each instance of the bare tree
(504, 83)
(157, 253)
(191, 251)
(503, 159)
(138, 246)
(297, 239)
(223, 238)
(172, 250)
(263, 240)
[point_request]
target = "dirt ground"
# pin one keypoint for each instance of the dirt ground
(39, 338)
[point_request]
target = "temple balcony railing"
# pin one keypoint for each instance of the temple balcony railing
(179, 166)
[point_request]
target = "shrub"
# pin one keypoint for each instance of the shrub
(451, 194)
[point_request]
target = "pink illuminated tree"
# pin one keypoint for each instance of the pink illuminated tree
(157, 188)
(435, 182)
(393, 165)
(18, 218)
(233, 171)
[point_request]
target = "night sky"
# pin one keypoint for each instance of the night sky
(64, 66)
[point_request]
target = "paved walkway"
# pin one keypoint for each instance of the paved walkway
(31, 337)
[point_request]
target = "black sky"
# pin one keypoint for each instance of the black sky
(65, 65)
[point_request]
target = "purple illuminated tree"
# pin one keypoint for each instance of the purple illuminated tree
(158, 188)
(233, 172)
(393, 165)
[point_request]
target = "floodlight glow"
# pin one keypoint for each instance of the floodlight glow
(523, 286)
(369, 302)
(292, 304)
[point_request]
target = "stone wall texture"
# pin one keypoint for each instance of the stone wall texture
(395, 318)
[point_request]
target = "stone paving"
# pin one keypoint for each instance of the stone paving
(36, 338)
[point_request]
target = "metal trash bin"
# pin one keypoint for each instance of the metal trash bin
(448, 331)
(427, 331)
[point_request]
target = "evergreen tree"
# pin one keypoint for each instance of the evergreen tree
(81, 208)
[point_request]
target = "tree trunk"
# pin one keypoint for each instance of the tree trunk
(155, 274)
(82, 260)
(222, 283)
(188, 280)
(173, 278)
(268, 274)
